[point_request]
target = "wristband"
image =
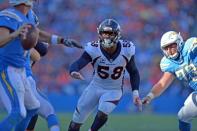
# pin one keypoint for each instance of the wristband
(135, 93)
(151, 95)
(54, 39)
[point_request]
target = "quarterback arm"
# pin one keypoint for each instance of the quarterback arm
(8, 30)
(81, 62)
(6, 35)
(133, 73)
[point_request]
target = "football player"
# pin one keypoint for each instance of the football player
(179, 62)
(15, 93)
(109, 56)
(46, 110)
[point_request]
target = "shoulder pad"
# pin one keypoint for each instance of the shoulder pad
(92, 48)
(128, 47)
(165, 64)
(10, 14)
(191, 44)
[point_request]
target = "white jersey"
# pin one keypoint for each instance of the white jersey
(109, 73)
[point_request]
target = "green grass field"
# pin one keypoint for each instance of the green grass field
(122, 122)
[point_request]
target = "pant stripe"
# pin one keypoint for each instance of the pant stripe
(7, 85)
(9, 89)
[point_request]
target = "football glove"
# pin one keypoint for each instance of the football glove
(71, 43)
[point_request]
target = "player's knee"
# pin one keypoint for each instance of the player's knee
(79, 117)
(74, 126)
(106, 107)
(46, 110)
(36, 105)
(182, 116)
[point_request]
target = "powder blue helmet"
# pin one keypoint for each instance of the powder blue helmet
(169, 38)
(18, 2)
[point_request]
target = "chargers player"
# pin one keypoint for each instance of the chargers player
(109, 56)
(15, 93)
(179, 62)
(46, 110)
(39, 51)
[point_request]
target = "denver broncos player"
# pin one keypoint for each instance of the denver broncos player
(179, 62)
(109, 56)
(15, 93)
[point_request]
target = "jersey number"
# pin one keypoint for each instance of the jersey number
(188, 72)
(103, 72)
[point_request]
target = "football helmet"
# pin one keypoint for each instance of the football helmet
(26, 2)
(111, 27)
(169, 38)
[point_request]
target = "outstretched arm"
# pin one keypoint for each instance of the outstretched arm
(159, 87)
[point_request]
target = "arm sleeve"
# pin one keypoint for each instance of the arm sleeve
(133, 73)
(41, 48)
(81, 62)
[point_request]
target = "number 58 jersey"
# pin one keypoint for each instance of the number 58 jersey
(109, 70)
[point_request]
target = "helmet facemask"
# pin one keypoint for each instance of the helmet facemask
(110, 40)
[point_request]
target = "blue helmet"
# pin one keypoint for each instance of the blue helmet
(18, 2)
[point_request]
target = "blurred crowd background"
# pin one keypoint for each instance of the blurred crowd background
(142, 22)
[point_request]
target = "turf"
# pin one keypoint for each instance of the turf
(124, 122)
